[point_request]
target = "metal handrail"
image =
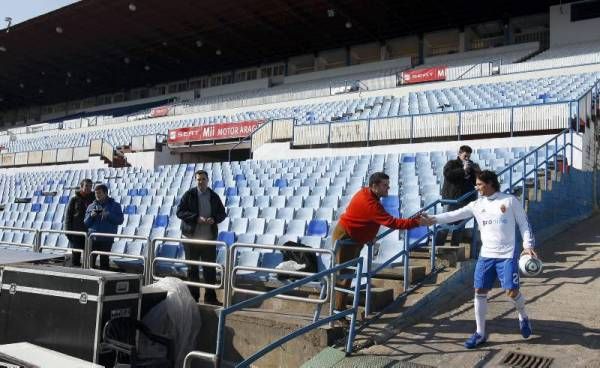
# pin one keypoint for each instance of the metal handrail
(409, 246)
(217, 357)
(232, 261)
(264, 124)
(153, 259)
(84, 263)
(89, 252)
(22, 229)
(490, 61)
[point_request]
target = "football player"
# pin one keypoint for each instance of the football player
(497, 214)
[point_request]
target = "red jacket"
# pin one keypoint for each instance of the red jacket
(365, 214)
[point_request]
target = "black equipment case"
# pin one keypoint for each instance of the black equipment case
(64, 309)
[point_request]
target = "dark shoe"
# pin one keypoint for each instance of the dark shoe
(210, 297)
(474, 341)
(525, 327)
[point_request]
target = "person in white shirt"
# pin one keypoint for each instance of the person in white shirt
(496, 214)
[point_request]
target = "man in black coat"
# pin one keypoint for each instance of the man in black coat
(459, 179)
(74, 216)
(200, 210)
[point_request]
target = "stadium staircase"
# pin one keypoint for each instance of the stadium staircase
(450, 285)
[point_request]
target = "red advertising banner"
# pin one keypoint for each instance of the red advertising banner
(213, 132)
(159, 111)
(424, 75)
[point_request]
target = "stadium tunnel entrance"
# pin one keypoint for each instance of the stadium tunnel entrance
(212, 152)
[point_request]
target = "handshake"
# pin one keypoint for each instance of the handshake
(424, 219)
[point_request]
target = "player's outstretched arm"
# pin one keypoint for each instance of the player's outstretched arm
(453, 216)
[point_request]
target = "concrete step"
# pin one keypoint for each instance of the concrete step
(248, 331)
(446, 255)
(416, 271)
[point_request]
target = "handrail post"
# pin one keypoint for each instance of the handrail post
(37, 242)
(535, 176)
(368, 287)
(555, 157)
(87, 247)
(220, 338)
(150, 261)
(405, 262)
(352, 331)
(524, 177)
(571, 148)
(433, 241)
(546, 169)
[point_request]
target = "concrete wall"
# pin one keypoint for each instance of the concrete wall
(152, 159)
(235, 87)
(271, 151)
(93, 163)
(563, 31)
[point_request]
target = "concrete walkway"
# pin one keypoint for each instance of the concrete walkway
(563, 303)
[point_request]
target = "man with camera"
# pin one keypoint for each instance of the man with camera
(104, 215)
(459, 179)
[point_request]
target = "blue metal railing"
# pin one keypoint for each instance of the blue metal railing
(217, 358)
(558, 154)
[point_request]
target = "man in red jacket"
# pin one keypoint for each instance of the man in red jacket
(360, 223)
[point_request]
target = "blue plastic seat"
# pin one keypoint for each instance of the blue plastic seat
(63, 200)
(130, 209)
(227, 237)
(36, 207)
(161, 221)
(317, 228)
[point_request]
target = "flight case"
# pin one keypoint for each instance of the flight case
(64, 309)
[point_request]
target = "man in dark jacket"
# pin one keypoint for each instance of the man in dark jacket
(104, 215)
(200, 210)
(459, 179)
(74, 216)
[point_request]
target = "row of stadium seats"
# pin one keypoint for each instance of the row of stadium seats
(267, 202)
(483, 96)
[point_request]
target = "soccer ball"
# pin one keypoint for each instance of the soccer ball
(530, 266)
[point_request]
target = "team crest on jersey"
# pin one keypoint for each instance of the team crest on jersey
(503, 208)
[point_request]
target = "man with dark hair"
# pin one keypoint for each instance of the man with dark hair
(104, 215)
(459, 179)
(360, 223)
(497, 214)
(74, 216)
(200, 210)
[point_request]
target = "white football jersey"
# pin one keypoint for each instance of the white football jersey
(497, 215)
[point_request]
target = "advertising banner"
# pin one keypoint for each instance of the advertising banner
(213, 132)
(437, 73)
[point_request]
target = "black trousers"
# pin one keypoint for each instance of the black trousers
(77, 242)
(195, 252)
(104, 261)
(442, 234)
